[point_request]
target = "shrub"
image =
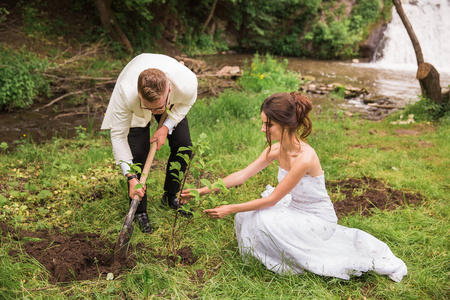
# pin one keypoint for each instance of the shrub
(21, 79)
(427, 110)
(268, 74)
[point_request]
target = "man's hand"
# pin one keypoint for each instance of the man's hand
(160, 136)
(133, 191)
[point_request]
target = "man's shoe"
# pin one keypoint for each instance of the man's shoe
(167, 201)
(172, 202)
(144, 222)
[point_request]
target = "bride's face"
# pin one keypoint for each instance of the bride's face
(273, 127)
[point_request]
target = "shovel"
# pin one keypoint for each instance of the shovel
(121, 247)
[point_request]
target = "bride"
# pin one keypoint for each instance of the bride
(293, 227)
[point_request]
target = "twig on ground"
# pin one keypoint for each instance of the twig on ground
(59, 98)
(71, 114)
(212, 270)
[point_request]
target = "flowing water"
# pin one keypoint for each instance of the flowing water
(391, 74)
(430, 20)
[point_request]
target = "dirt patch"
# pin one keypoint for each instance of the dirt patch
(182, 256)
(362, 196)
(82, 256)
(407, 132)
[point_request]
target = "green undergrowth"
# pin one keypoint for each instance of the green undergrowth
(74, 185)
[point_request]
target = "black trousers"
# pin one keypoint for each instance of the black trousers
(139, 141)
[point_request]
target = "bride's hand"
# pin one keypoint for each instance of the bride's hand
(186, 194)
(218, 212)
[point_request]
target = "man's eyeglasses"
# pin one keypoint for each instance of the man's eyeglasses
(157, 108)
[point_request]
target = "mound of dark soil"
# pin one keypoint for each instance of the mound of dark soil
(364, 195)
(183, 256)
(82, 256)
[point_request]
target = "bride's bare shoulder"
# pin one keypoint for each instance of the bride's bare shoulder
(273, 151)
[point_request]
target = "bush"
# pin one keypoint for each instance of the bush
(21, 79)
(426, 110)
(269, 74)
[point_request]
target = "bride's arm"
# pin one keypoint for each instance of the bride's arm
(240, 176)
(298, 170)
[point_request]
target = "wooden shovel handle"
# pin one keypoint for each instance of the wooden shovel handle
(151, 153)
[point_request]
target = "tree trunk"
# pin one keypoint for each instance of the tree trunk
(427, 75)
(109, 22)
(429, 82)
(211, 14)
(409, 29)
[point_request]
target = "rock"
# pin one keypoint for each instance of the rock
(368, 47)
(374, 99)
(229, 71)
(401, 121)
(308, 78)
(194, 65)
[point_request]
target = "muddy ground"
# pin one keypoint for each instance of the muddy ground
(89, 256)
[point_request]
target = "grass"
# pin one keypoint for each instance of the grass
(74, 185)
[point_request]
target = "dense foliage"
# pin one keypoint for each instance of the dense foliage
(21, 79)
(311, 28)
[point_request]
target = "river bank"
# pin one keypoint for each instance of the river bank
(43, 121)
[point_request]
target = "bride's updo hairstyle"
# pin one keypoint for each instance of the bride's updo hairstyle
(291, 111)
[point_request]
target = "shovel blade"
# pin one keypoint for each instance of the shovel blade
(121, 248)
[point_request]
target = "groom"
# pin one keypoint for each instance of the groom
(149, 85)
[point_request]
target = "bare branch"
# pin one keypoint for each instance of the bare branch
(60, 98)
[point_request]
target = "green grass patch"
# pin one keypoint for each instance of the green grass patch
(74, 185)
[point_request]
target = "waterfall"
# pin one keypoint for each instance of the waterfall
(430, 20)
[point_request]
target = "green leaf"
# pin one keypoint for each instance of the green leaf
(220, 184)
(15, 194)
(185, 157)
(176, 176)
(64, 167)
(206, 183)
(182, 149)
(3, 200)
(136, 169)
(186, 208)
(194, 193)
(44, 194)
(175, 166)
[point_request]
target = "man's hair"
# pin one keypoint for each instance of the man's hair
(151, 84)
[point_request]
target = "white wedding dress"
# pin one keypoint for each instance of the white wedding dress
(301, 233)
